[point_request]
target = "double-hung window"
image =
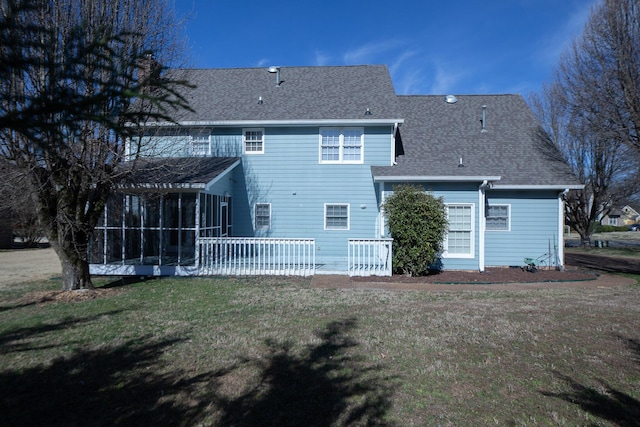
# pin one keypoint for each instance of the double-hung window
(262, 216)
(253, 141)
(459, 240)
(200, 145)
(498, 218)
(336, 216)
(341, 145)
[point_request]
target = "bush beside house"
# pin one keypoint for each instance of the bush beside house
(417, 222)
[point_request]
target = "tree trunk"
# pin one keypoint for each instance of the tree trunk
(75, 274)
(74, 262)
(585, 240)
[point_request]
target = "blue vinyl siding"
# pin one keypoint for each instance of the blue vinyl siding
(534, 227)
(289, 177)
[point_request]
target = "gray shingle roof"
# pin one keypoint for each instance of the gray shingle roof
(305, 93)
(437, 134)
(170, 172)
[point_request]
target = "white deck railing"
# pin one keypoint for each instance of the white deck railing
(255, 256)
(370, 257)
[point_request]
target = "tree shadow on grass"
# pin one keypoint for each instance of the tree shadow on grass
(325, 385)
(109, 386)
(604, 401)
(129, 385)
(18, 340)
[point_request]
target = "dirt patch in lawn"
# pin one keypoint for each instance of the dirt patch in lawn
(43, 297)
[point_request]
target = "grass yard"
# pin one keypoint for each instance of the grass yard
(253, 352)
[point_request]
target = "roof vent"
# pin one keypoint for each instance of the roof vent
(484, 118)
(276, 70)
(450, 99)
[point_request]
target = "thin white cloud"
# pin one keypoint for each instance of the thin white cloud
(445, 78)
(561, 39)
(321, 58)
(409, 81)
(400, 60)
(366, 53)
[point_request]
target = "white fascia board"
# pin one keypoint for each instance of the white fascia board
(536, 187)
(445, 178)
(223, 174)
(262, 123)
(163, 186)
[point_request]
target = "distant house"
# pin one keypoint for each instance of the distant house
(285, 171)
(619, 217)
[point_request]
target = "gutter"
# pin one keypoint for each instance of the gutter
(538, 187)
(445, 178)
(254, 123)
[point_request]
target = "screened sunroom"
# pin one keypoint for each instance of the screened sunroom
(152, 226)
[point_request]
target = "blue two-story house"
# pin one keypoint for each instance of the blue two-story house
(285, 171)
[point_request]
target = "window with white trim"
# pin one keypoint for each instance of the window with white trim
(341, 145)
(459, 240)
(336, 216)
(262, 216)
(253, 141)
(200, 145)
(498, 218)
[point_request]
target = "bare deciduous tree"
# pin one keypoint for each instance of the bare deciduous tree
(592, 112)
(17, 204)
(79, 82)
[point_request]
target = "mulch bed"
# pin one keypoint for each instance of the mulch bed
(489, 276)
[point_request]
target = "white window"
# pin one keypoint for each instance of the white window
(262, 216)
(200, 146)
(336, 216)
(459, 240)
(613, 220)
(253, 141)
(498, 218)
(341, 145)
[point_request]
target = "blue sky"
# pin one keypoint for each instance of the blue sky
(430, 46)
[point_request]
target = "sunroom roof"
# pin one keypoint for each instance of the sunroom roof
(177, 172)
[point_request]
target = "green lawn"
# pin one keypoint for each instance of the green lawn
(250, 352)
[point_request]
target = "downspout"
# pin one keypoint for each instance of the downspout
(481, 223)
(381, 194)
(393, 143)
(560, 240)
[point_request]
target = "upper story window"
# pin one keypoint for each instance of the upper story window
(341, 145)
(498, 218)
(253, 141)
(459, 240)
(200, 146)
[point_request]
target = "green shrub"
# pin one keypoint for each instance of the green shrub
(610, 228)
(417, 222)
